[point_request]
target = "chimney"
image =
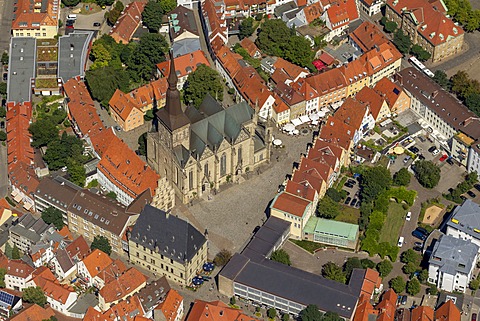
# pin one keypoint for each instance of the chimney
(371, 35)
(434, 94)
(397, 77)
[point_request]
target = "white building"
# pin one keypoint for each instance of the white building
(465, 222)
(18, 274)
(452, 262)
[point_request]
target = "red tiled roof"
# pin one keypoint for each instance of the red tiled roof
(380, 57)
(387, 306)
(326, 58)
(279, 105)
(112, 271)
(342, 13)
(422, 313)
(364, 309)
(337, 132)
(251, 86)
(184, 65)
(448, 311)
(23, 177)
(317, 169)
(432, 22)
(126, 169)
(216, 311)
(371, 281)
(285, 70)
(125, 310)
(78, 248)
(301, 190)
(128, 22)
(389, 90)
(292, 204)
(229, 60)
(323, 152)
(102, 140)
(32, 14)
(328, 81)
(123, 285)
(312, 12)
(34, 313)
(81, 108)
(351, 112)
(371, 98)
(216, 21)
(18, 137)
(169, 308)
(305, 178)
(96, 261)
(250, 47)
(19, 269)
(367, 36)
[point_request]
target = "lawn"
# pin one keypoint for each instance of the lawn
(348, 215)
(393, 223)
(308, 245)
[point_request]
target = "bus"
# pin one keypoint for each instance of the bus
(414, 61)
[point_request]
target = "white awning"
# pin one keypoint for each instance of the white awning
(314, 117)
(304, 119)
(315, 122)
(289, 127)
(321, 114)
(14, 193)
(296, 122)
(27, 206)
(18, 198)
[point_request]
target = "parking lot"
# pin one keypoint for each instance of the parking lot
(351, 187)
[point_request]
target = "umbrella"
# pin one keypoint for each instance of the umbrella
(208, 266)
(314, 117)
(277, 142)
(296, 132)
(289, 127)
(398, 150)
(197, 281)
(321, 114)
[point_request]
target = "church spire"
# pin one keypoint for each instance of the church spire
(172, 76)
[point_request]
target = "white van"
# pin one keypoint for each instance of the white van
(400, 241)
(72, 17)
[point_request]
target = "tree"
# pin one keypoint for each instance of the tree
(101, 242)
(331, 316)
(350, 264)
(461, 83)
(112, 195)
(16, 255)
(332, 271)
(298, 51)
(54, 216)
(200, 82)
(76, 172)
(3, 271)
(8, 250)
(397, 284)
(34, 295)
(152, 16)
(409, 268)
(3, 136)
(61, 152)
(423, 276)
(271, 313)
(472, 101)
(410, 256)
(222, 257)
(285, 317)
(368, 264)
(115, 13)
(427, 173)
(474, 284)
(70, 3)
(413, 287)
(334, 194)
(3, 89)
(384, 268)
(149, 115)
(103, 3)
(433, 289)
(402, 41)
(420, 53)
(142, 144)
(102, 82)
(402, 177)
(168, 5)
(150, 51)
(281, 256)
(246, 28)
(43, 132)
(311, 313)
(441, 78)
(390, 26)
(328, 208)
(233, 301)
(4, 59)
(374, 181)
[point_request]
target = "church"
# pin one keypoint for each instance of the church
(198, 149)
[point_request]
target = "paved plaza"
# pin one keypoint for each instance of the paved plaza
(232, 215)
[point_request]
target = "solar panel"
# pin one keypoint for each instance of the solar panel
(6, 297)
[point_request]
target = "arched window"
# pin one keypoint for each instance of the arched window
(223, 165)
(239, 155)
(205, 170)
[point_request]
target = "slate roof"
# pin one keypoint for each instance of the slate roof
(182, 19)
(73, 54)
(468, 217)
(21, 69)
(30, 228)
(167, 234)
(185, 46)
(153, 293)
(454, 255)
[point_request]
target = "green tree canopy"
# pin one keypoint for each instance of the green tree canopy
(150, 51)
(246, 28)
(16, 254)
(334, 194)
(3, 112)
(3, 136)
(34, 295)
(101, 242)
(311, 313)
(420, 53)
(3, 271)
(271, 313)
(402, 177)
(402, 41)
(350, 264)
(413, 287)
(474, 284)
(441, 78)
(332, 271)
(4, 59)
(3, 89)
(142, 144)
(390, 26)
(384, 268)
(328, 208)
(410, 256)
(102, 82)
(427, 173)
(374, 181)
(43, 132)
(200, 82)
(152, 16)
(76, 172)
(367, 263)
(54, 216)
(168, 5)
(70, 3)
(61, 151)
(409, 268)
(222, 257)
(397, 284)
(281, 256)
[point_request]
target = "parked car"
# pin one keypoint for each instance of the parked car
(409, 216)
(419, 235)
(400, 241)
(354, 202)
(413, 149)
(5, 76)
(432, 149)
(463, 198)
(420, 138)
(406, 159)
(418, 244)
(422, 230)
(97, 24)
(404, 300)
(421, 157)
(347, 201)
(352, 182)
(70, 27)
(477, 187)
(348, 185)
(443, 158)
(435, 152)
(471, 194)
(474, 317)
(450, 161)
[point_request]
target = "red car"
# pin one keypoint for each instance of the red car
(444, 157)
(474, 317)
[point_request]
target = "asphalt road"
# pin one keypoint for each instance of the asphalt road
(6, 10)
(3, 171)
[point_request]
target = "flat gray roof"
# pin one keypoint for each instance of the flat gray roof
(21, 69)
(454, 255)
(72, 54)
(466, 218)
